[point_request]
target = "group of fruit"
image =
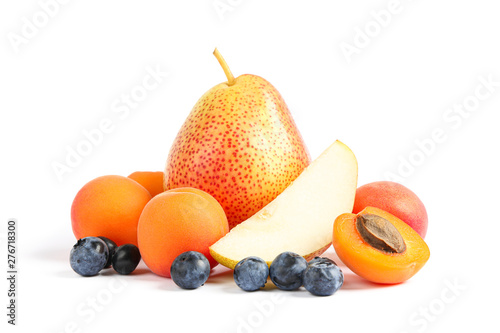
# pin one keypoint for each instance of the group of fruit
(239, 189)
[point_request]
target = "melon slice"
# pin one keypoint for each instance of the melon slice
(301, 218)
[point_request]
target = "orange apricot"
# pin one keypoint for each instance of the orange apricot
(369, 243)
(109, 206)
(176, 221)
(151, 180)
(395, 199)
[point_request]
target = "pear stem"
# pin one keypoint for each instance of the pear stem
(225, 67)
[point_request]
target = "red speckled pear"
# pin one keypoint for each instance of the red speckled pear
(240, 144)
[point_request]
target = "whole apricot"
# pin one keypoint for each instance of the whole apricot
(151, 180)
(109, 206)
(395, 199)
(177, 221)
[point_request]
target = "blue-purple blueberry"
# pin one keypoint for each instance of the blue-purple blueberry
(286, 271)
(111, 248)
(89, 256)
(126, 259)
(251, 273)
(323, 277)
(190, 270)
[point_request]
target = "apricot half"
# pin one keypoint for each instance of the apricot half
(378, 246)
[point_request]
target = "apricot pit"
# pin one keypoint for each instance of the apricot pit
(380, 233)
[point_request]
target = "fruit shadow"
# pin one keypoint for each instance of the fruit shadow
(169, 285)
(69, 274)
(231, 287)
(139, 271)
(223, 277)
(220, 276)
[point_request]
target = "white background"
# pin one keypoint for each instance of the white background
(394, 91)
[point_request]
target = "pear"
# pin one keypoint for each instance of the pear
(240, 144)
(301, 218)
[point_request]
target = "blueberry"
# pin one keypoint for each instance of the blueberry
(88, 256)
(190, 270)
(126, 259)
(251, 273)
(111, 247)
(323, 277)
(320, 259)
(286, 270)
